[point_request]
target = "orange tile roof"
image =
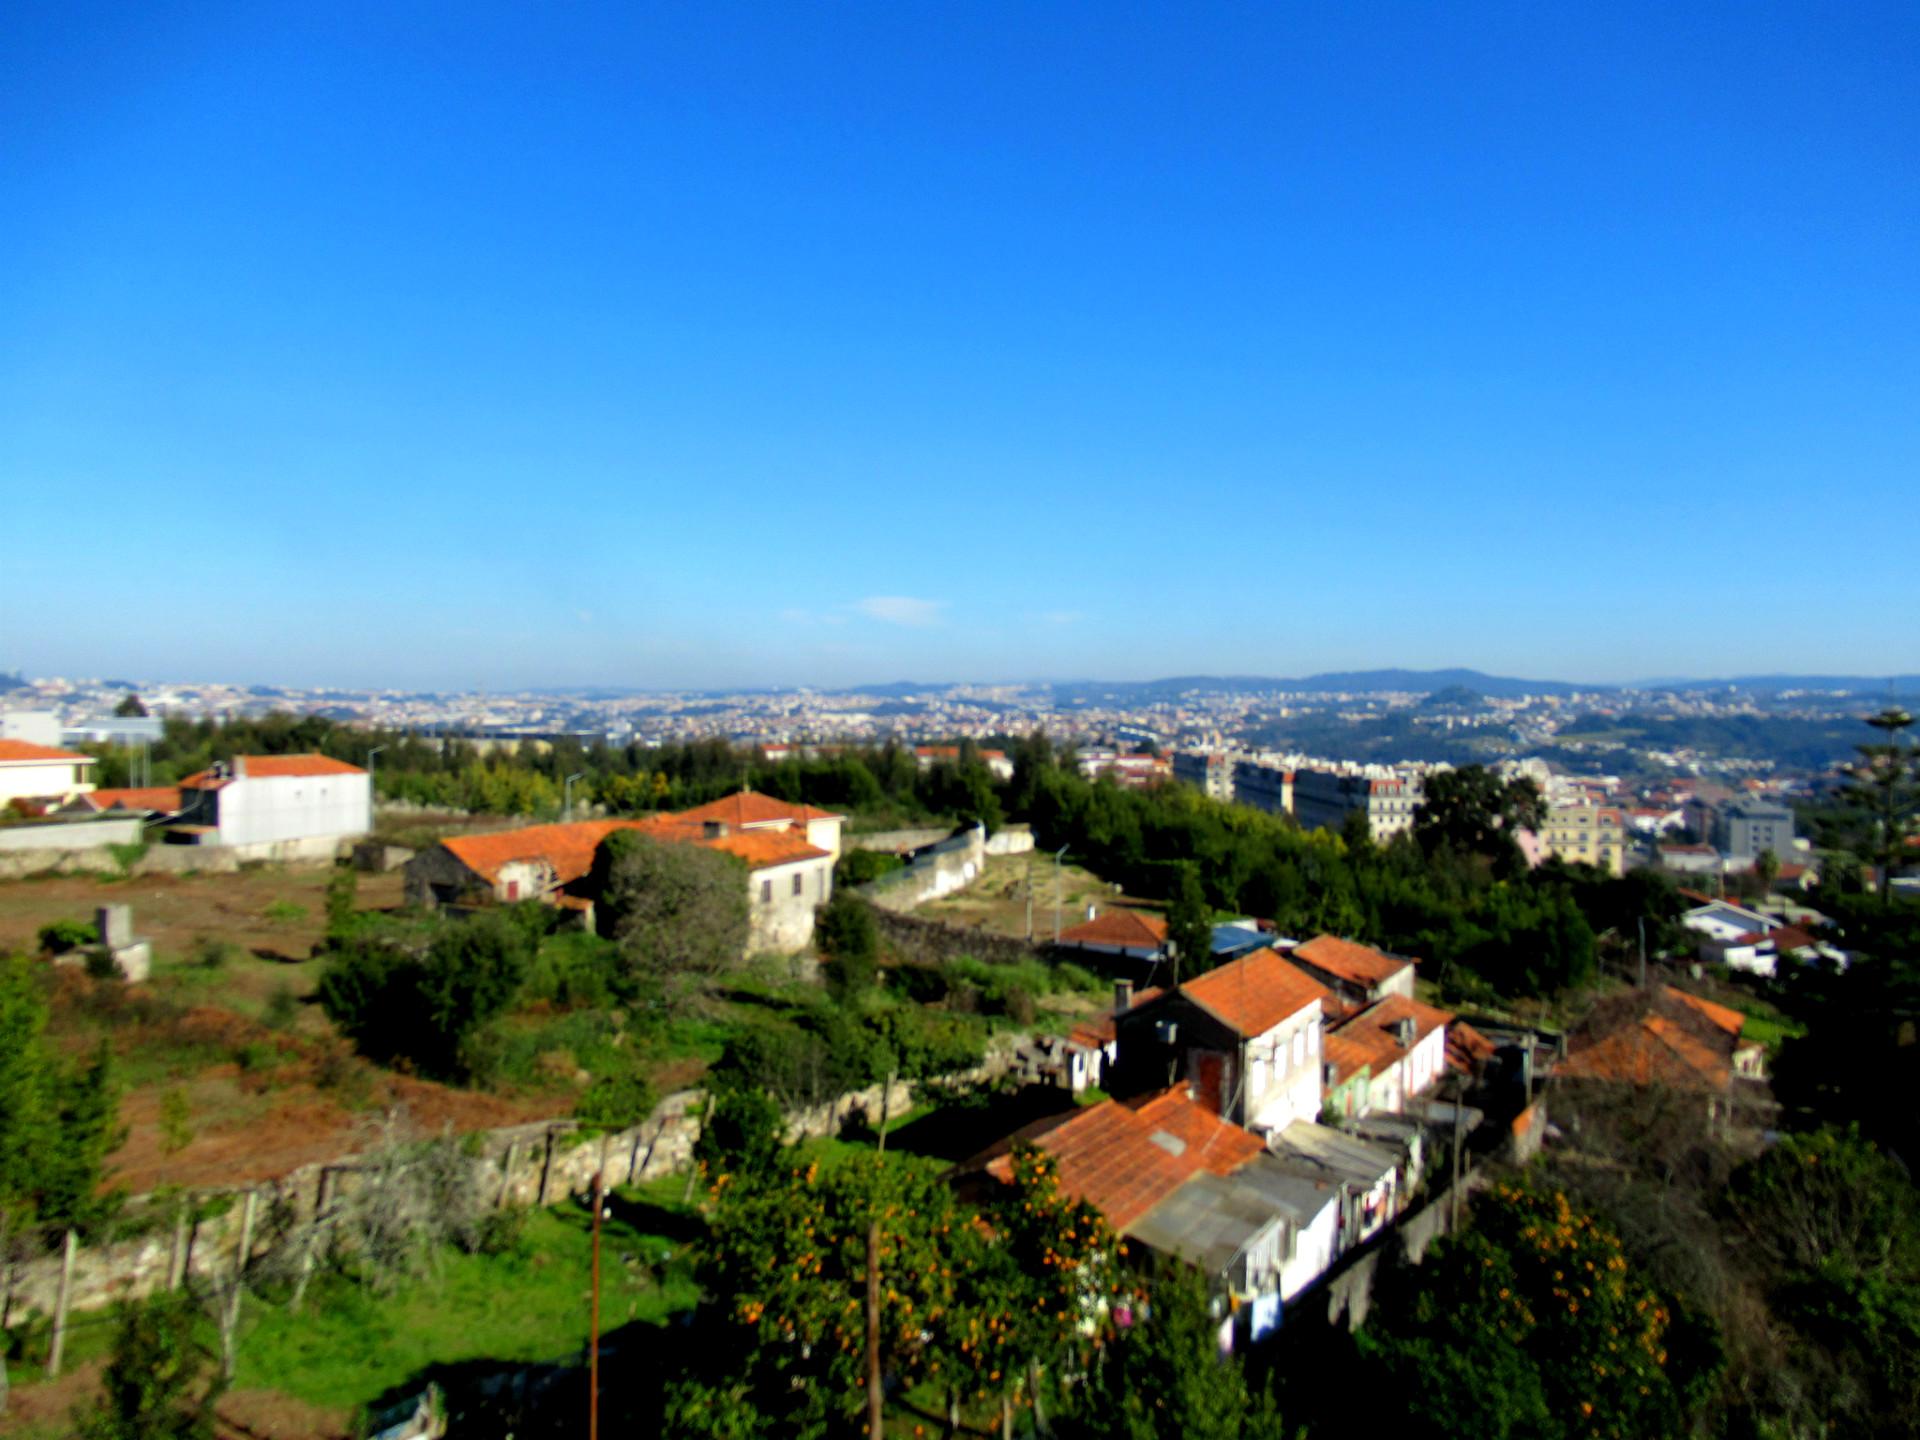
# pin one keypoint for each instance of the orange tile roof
(1372, 1030)
(1252, 995)
(1353, 962)
(1119, 927)
(1347, 1056)
(272, 767)
(750, 807)
(568, 849)
(1108, 1156)
(1654, 1052)
(1467, 1048)
(21, 752)
(151, 797)
(1722, 1016)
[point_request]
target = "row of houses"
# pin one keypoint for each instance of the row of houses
(1271, 1115)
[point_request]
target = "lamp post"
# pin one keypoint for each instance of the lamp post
(566, 808)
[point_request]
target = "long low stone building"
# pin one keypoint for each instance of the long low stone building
(788, 850)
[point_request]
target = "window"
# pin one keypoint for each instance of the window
(799, 883)
(766, 892)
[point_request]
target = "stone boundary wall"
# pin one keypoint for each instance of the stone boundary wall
(1011, 840)
(897, 842)
(523, 1165)
(933, 942)
(941, 869)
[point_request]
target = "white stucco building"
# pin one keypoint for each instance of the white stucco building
(41, 772)
(279, 807)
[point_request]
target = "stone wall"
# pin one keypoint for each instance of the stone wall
(953, 864)
(897, 842)
(523, 1165)
(932, 942)
(1011, 840)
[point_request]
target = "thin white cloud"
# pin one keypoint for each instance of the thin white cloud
(901, 610)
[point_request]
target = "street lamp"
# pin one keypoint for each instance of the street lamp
(566, 809)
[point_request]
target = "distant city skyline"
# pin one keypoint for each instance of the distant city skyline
(503, 348)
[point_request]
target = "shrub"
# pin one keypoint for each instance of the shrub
(343, 888)
(1069, 976)
(211, 954)
(847, 936)
(62, 936)
(615, 1102)
(284, 912)
(862, 867)
(102, 966)
(282, 1007)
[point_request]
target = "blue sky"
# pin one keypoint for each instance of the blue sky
(458, 345)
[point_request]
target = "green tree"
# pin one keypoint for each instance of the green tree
(1190, 924)
(1885, 784)
(160, 1382)
(343, 888)
(58, 1121)
(1833, 1227)
(130, 707)
(1532, 1323)
(679, 913)
(743, 1134)
(1473, 812)
(1164, 1374)
(848, 937)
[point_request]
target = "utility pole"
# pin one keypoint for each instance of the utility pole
(876, 1413)
(1058, 856)
(566, 808)
(373, 798)
(593, 1343)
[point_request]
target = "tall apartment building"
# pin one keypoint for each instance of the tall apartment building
(1263, 786)
(1745, 828)
(1322, 799)
(1211, 773)
(1587, 834)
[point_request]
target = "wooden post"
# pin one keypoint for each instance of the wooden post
(546, 1169)
(875, 1395)
(506, 1175)
(177, 1263)
(231, 1319)
(59, 1344)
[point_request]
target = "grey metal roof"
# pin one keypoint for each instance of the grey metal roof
(1317, 1150)
(1296, 1198)
(1209, 1221)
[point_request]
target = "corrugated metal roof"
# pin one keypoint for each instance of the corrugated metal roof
(1210, 1222)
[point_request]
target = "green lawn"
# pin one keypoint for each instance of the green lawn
(350, 1346)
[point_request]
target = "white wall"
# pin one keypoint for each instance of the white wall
(1283, 1072)
(1311, 1255)
(255, 809)
(783, 921)
(34, 779)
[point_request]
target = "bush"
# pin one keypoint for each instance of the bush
(211, 954)
(102, 966)
(284, 912)
(343, 888)
(850, 940)
(863, 867)
(282, 1007)
(615, 1102)
(63, 936)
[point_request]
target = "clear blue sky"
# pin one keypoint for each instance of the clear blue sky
(469, 345)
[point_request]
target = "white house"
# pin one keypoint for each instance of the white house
(788, 851)
(41, 772)
(281, 807)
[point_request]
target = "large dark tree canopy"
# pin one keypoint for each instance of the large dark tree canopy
(678, 912)
(1472, 811)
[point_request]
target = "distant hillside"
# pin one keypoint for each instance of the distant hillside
(1338, 682)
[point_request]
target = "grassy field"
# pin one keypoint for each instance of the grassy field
(997, 901)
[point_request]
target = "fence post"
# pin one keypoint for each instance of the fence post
(177, 1262)
(231, 1320)
(59, 1343)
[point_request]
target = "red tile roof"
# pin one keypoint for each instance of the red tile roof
(151, 797)
(1351, 961)
(1722, 1016)
(1467, 1048)
(1252, 995)
(271, 767)
(1653, 1037)
(568, 849)
(21, 752)
(1119, 927)
(750, 807)
(1374, 1030)
(1109, 1156)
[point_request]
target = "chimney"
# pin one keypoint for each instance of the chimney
(1092, 911)
(1403, 1030)
(714, 829)
(1122, 996)
(240, 767)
